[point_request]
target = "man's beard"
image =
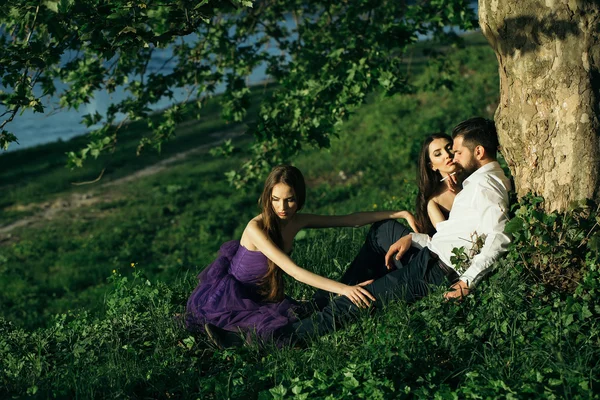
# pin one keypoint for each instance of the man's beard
(472, 166)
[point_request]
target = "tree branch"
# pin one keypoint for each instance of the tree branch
(37, 10)
(14, 112)
(146, 66)
(175, 32)
(90, 182)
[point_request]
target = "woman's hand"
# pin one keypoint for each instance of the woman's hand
(410, 219)
(359, 295)
(452, 183)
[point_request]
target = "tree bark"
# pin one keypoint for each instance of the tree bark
(548, 119)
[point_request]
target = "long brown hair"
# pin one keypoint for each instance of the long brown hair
(272, 283)
(429, 184)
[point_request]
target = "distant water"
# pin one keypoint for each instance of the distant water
(34, 129)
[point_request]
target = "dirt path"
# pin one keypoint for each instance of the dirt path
(106, 192)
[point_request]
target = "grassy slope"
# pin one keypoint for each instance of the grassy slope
(496, 344)
(38, 174)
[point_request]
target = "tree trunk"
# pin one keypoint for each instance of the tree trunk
(548, 119)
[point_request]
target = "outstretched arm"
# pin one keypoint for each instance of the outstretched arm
(352, 220)
(357, 294)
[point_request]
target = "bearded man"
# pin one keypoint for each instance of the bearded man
(419, 262)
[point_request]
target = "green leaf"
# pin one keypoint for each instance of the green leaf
(189, 342)
(65, 5)
(52, 5)
(278, 391)
(203, 2)
(569, 320)
(555, 382)
(6, 138)
(514, 225)
(127, 29)
(336, 53)
(585, 312)
(350, 381)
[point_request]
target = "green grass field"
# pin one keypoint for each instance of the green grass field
(88, 293)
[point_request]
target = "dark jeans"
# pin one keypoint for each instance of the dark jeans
(369, 263)
(417, 272)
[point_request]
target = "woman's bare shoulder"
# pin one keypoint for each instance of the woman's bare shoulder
(443, 201)
(433, 202)
(434, 199)
(256, 221)
(252, 228)
(443, 197)
(255, 224)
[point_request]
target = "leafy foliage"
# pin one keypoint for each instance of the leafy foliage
(325, 56)
(556, 248)
(90, 45)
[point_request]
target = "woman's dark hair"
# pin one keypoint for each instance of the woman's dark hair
(272, 282)
(429, 184)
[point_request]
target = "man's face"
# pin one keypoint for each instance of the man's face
(464, 157)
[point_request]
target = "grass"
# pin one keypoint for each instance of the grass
(493, 345)
(78, 320)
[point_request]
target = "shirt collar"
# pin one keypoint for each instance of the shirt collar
(481, 171)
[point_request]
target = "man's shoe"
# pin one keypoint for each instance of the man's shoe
(221, 338)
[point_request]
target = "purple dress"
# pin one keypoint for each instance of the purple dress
(227, 295)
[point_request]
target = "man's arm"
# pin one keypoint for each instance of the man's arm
(493, 203)
(418, 240)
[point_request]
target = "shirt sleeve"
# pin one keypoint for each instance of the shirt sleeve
(493, 203)
(420, 240)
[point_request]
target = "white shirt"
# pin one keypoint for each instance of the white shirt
(480, 209)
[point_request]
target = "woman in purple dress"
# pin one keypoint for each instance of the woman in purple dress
(242, 290)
